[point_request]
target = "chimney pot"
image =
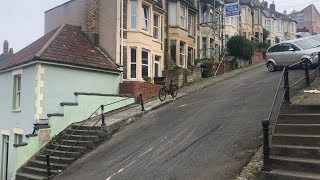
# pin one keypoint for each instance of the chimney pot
(11, 51)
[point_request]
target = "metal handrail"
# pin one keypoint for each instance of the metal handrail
(276, 95)
(299, 62)
(273, 129)
(78, 129)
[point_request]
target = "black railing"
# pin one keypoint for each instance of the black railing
(102, 108)
(282, 99)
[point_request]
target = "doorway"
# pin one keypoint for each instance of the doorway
(5, 157)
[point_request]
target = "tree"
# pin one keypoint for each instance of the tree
(240, 47)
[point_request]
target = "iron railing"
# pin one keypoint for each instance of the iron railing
(102, 108)
(284, 99)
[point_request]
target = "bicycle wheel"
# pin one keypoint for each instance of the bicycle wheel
(174, 91)
(162, 94)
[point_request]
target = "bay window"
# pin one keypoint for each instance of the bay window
(156, 23)
(145, 63)
(183, 11)
(134, 10)
(133, 63)
(173, 13)
(145, 18)
(190, 24)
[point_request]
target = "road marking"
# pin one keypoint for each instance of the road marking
(109, 178)
(183, 105)
(146, 152)
(234, 88)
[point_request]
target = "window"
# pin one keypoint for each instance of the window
(157, 66)
(278, 26)
(190, 56)
(173, 13)
(190, 24)
(16, 92)
(268, 25)
(173, 53)
(256, 16)
(145, 63)
(281, 26)
(256, 35)
(182, 53)
(133, 64)
(145, 18)
(183, 11)
(243, 15)
(134, 10)
(233, 22)
(275, 48)
(156, 23)
(211, 48)
(227, 21)
(5, 157)
(244, 34)
(204, 47)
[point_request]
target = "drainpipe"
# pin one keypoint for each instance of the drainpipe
(121, 36)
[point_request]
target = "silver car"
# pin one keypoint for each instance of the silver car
(293, 51)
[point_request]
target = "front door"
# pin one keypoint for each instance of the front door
(5, 156)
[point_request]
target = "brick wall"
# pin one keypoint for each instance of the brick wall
(135, 88)
(257, 58)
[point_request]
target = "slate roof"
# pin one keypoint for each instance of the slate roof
(64, 45)
(3, 56)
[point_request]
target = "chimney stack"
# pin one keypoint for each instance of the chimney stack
(265, 4)
(285, 12)
(272, 6)
(5, 47)
(10, 51)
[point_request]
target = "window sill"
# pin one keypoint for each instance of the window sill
(16, 110)
(142, 31)
(156, 40)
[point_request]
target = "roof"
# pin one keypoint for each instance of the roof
(3, 56)
(65, 45)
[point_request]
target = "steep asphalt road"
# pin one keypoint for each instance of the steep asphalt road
(209, 134)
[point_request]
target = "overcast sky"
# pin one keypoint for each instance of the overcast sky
(22, 21)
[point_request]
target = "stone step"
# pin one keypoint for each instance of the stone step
(81, 149)
(295, 164)
(24, 176)
(93, 138)
(37, 171)
(296, 151)
(55, 159)
(89, 133)
(296, 139)
(298, 129)
(293, 108)
(79, 127)
(296, 118)
(43, 165)
(88, 144)
(61, 153)
(276, 174)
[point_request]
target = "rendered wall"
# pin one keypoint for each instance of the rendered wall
(72, 12)
(23, 119)
(60, 84)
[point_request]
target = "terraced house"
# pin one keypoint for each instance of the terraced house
(181, 32)
(130, 31)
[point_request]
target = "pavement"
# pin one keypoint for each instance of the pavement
(210, 133)
(304, 98)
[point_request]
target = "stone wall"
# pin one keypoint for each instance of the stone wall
(257, 58)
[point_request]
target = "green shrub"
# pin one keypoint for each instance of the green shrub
(147, 79)
(240, 47)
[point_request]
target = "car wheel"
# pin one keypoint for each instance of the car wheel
(303, 66)
(271, 67)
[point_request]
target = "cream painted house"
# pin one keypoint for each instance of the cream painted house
(258, 21)
(181, 31)
(210, 25)
(137, 44)
(246, 17)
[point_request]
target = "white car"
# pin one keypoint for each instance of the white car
(293, 51)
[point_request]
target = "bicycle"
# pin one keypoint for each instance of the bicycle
(168, 90)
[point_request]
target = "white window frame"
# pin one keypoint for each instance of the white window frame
(190, 24)
(142, 64)
(156, 28)
(182, 53)
(16, 102)
(256, 16)
(5, 156)
(145, 19)
(243, 15)
(173, 13)
(268, 24)
(133, 17)
(133, 63)
(183, 16)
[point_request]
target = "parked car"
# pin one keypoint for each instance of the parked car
(293, 51)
